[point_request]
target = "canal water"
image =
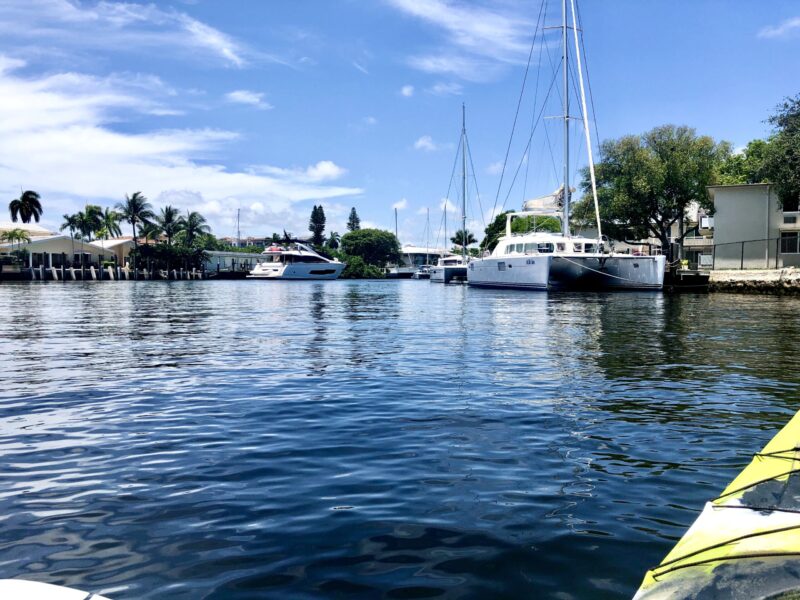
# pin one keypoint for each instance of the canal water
(372, 439)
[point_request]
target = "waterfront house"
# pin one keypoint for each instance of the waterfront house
(751, 230)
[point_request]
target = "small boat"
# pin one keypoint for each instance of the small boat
(295, 261)
(449, 268)
(411, 259)
(746, 542)
(20, 589)
(423, 272)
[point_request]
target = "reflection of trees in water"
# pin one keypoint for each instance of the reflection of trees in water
(316, 349)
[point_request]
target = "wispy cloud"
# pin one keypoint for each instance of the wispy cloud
(479, 38)
(495, 168)
(401, 204)
(360, 67)
(426, 144)
(57, 135)
(445, 203)
(407, 91)
(255, 99)
(785, 29)
(446, 89)
(117, 27)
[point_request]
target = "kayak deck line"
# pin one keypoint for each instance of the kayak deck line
(656, 574)
(752, 553)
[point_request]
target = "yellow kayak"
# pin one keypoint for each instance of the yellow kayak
(746, 542)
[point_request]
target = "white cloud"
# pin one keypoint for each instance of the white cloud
(116, 26)
(370, 121)
(480, 38)
(56, 136)
(400, 204)
(495, 168)
(446, 89)
(407, 91)
(785, 29)
(426, 143)
(255, 99)
(445, 202)
(360, 67)
(422, 210)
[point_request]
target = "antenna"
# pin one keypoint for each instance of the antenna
(238, 231)
(464, 182)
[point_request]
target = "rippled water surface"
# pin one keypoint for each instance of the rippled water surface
(372, 439)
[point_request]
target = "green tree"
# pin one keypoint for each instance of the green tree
(109, 224)
(747, 166)
(192, 226)
(316, 225)
(493, 232)
(136, 210)
(28, 206)
(782, 164)
(71, 223)
(333, 240)
(461, 235)
(374, 246)
(353, 222)
(150, 231)
(169, 222)
(645, 183)
(16, 236)
(356, 268)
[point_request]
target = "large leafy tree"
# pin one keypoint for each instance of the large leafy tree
(493, 231)
(646, 182)
(136, 210)
(747, 166)
(373, 246)
(192, 226)
(353, 222)
(782, 164)
(28, 206)
(169, 222)
(316, 225)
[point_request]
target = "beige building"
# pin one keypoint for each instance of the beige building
(751, 230)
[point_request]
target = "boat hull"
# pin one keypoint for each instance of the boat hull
(298, 271)
(557, 273)
(448, 274)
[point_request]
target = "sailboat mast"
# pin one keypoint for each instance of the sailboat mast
(464, 181)
(565, 94)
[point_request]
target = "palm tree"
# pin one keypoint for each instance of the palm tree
(150, 231)
(28, 206)
(170, 222)
(333, 240)
(459, 238)
(192, 226)
(71, 223)
(18, 236)
(89, 220)
(109, 224)
(136, 210)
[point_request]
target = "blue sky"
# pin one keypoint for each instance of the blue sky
(271, 107)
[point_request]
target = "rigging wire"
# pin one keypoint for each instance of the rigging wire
(519, 104)
(474, 178)
(447, 197)
(588, 80)
(527, 147)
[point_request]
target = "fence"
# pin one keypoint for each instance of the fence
(768, 253)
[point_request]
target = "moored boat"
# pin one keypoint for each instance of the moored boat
(295, 261)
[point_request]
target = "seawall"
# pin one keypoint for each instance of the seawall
(770, 281)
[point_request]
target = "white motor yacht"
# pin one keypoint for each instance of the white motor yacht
(295, 261)
(411, 259)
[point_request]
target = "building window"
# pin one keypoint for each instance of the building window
(789, 219)
(789, 242)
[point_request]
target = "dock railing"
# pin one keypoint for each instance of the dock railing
(766, 253)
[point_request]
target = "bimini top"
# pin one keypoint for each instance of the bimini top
(746, 542)
(295, 249)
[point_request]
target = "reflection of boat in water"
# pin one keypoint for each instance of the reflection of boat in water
(33, 590)
(559, 261)
(449, 268)
(746, 542)
(295, 261)
(411, 259)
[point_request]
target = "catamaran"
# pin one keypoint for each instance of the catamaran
(561, 261)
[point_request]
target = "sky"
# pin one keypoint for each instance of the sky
(269, 108)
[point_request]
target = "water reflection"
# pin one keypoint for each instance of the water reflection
(393, 439)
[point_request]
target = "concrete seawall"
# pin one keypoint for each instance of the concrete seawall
(771, 281)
